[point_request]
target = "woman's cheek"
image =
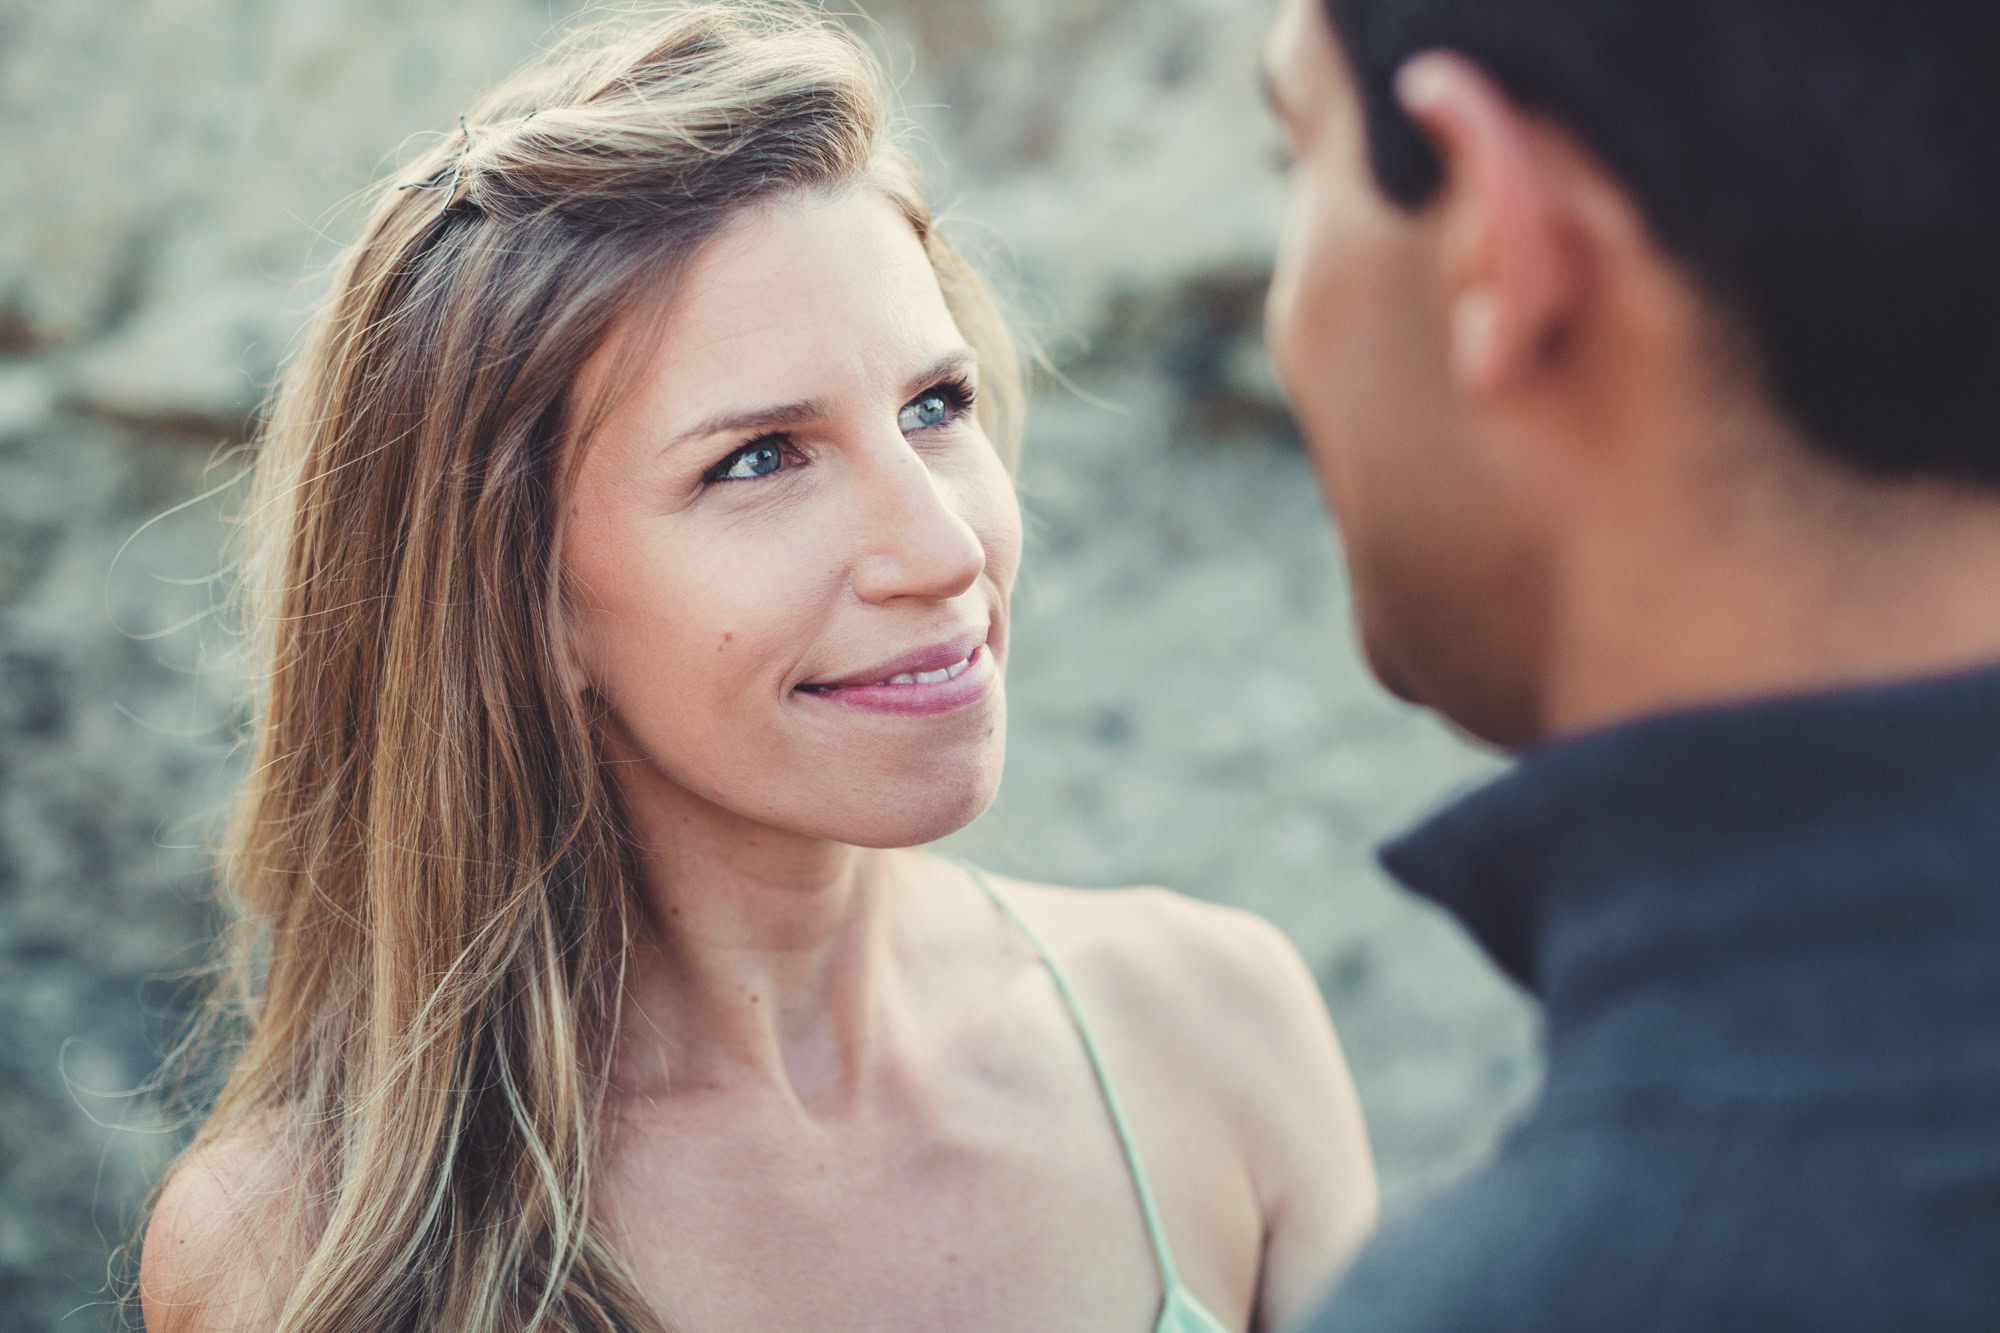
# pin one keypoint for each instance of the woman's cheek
(1003, 546)
(992, 509)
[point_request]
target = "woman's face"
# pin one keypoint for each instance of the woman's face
(790, 544)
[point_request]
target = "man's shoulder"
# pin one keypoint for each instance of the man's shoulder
(1586, 1228)
(1664, 1216)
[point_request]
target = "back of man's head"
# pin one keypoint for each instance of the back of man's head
(1827, 170)
(1647, 351)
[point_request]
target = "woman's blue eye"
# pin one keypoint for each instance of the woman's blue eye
(933, 409)
(758, 460)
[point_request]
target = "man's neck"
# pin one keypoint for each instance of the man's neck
(1722, 602)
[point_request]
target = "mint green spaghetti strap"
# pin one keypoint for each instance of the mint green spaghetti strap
(1180, 1312)
(1163, 1253)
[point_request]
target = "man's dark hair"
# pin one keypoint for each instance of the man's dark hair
(1826, 171)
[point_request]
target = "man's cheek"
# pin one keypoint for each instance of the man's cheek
(1285, 308)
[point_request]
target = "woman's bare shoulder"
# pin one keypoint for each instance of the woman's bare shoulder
(220, 1252)
(1222, 999)
(1144, 948)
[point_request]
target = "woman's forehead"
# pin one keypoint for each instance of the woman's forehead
(810, 298)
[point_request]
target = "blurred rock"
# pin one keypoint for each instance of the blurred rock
(27, 396)
(1204, 331)
(113, 750)
(1107, 150)
(173, 211)
(195, 362)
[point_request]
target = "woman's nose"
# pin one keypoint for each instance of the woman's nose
(914, 541)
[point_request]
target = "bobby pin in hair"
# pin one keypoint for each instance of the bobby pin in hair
(455, 169)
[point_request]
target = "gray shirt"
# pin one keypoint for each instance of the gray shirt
(1768, 941)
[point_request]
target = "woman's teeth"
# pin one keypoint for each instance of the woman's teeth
(951, 672)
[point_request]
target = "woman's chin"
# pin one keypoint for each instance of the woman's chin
(910, 814)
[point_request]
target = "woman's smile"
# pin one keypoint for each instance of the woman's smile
(941, 679)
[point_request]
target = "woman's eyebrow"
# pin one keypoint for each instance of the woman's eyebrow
(954, 362)
(785, 415)
(754, 419)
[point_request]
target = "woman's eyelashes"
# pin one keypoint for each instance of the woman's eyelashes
(760, 458)
(935, 408)
(939, 405)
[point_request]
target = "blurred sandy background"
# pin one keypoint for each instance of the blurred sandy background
(1188, 706)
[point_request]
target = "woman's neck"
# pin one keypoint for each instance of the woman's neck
(762, 958)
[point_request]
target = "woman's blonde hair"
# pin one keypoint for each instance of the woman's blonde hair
(435, 896)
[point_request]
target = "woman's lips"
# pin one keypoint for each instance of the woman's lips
(937, 657)
(924, 693)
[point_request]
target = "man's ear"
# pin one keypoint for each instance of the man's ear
(1511, 271)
